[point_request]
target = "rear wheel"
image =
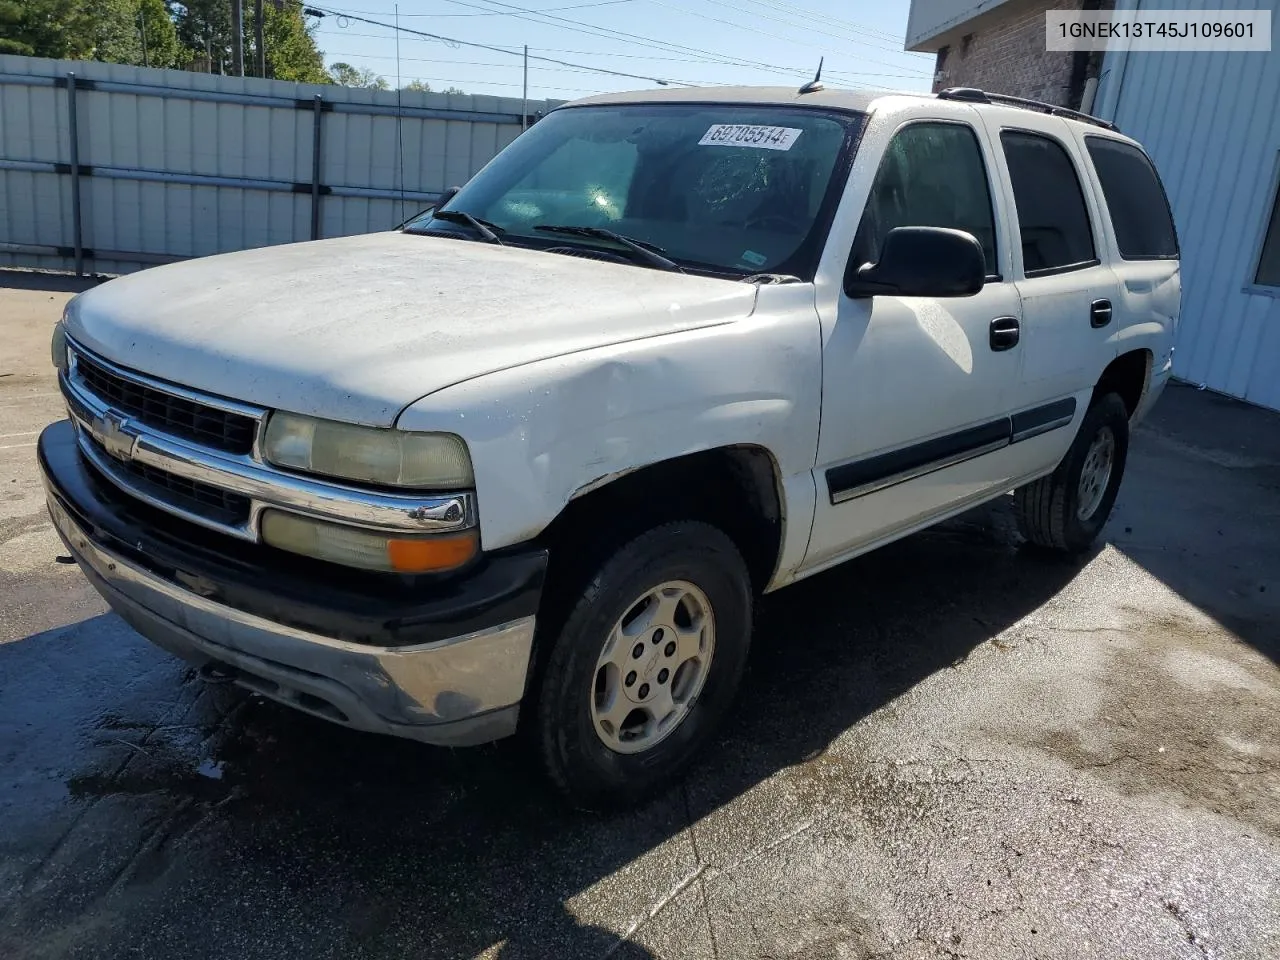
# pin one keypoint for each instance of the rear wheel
(1067, 510)
(645, 665)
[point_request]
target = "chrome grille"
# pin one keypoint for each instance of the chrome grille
(179, 416)
(220, 506)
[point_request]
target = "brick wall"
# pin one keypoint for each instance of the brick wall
(1009, 56)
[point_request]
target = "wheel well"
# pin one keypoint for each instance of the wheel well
(1126, 375)
(734, 488)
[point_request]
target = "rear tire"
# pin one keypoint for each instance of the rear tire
(597, 724)
(1066, 510)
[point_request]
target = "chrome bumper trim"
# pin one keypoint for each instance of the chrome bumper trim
(457, 691)
(265, 486)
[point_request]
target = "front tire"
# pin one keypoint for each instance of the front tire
(1066, 510)
(645, 666)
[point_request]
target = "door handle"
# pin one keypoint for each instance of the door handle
(1099, 313)
(1005, 333)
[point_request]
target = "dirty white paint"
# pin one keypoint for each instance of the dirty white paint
(357, 328)
(562, 373)
(541, 431)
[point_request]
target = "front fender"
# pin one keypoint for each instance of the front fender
(541, 433)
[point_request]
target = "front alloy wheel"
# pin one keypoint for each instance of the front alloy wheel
(653, 666)
(644, 665)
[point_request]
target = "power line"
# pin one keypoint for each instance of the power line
(828, 18)
(517, 66)
(895, 47)
(608, 33)
(485, 46)
(827, 71)
(764, 33)
(500, 85)
(602, 33)
(494, 13)
(524, 13)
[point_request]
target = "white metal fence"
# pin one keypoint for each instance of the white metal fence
(111, 168)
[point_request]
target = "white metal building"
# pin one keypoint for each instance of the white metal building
(1211, 122)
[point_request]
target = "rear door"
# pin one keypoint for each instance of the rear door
(1066, 285)
(1144, 246)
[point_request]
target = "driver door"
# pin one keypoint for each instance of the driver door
(916, 390)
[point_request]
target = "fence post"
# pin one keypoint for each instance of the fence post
(315, 170)
(74, 138)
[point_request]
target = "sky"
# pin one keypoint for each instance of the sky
(699, 42)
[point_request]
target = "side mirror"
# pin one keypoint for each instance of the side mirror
(922, 262)
(446, 197)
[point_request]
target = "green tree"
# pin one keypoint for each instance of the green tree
(204, 27)
(175, 33)
(344, 74)
(157, 29)
(421, 86)
(291, 46)
(40, 28)
(12, 37)
(109, 30)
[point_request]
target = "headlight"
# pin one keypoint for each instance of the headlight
(355, 547)
(58, 347)
(389, 457)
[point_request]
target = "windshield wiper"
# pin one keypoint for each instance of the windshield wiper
(771, 278)
(644, 251)
(483, 227)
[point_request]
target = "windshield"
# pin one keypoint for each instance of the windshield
(729, 189)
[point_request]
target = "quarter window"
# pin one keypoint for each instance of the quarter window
(1268, 272)
(1053, 221)
(1136, 201)
(932, 175)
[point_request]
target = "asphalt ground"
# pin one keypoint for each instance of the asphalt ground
(953, 747)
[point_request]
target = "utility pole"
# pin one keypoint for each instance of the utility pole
(237, 38)
(524, 108)
(142, 29)
(257, 37)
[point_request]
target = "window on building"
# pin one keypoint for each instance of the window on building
(1053, 220)
(1268, 272)
(1136, 201)
(932, 175)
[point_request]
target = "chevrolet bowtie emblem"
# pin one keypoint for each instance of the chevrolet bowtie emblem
(115, 436)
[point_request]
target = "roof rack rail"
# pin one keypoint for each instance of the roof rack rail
(974, 95)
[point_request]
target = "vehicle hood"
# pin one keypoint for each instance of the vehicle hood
(357, 328)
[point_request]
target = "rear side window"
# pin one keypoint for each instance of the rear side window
(1268, 272)
(1052, 218)
(1137, 203)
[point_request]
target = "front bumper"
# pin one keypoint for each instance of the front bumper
(386, 664)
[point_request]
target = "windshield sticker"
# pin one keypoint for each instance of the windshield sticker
(755, 259)
(749, 135)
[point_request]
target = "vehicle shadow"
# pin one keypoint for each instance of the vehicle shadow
(51, 282)
(385, 848)
(1218, 463)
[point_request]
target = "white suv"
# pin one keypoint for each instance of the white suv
(527, 462)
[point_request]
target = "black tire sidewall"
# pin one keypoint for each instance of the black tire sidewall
(1107, 411)
(585, 768)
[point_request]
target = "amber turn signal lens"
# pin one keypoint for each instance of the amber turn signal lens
(434, 554)
(367, 549)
